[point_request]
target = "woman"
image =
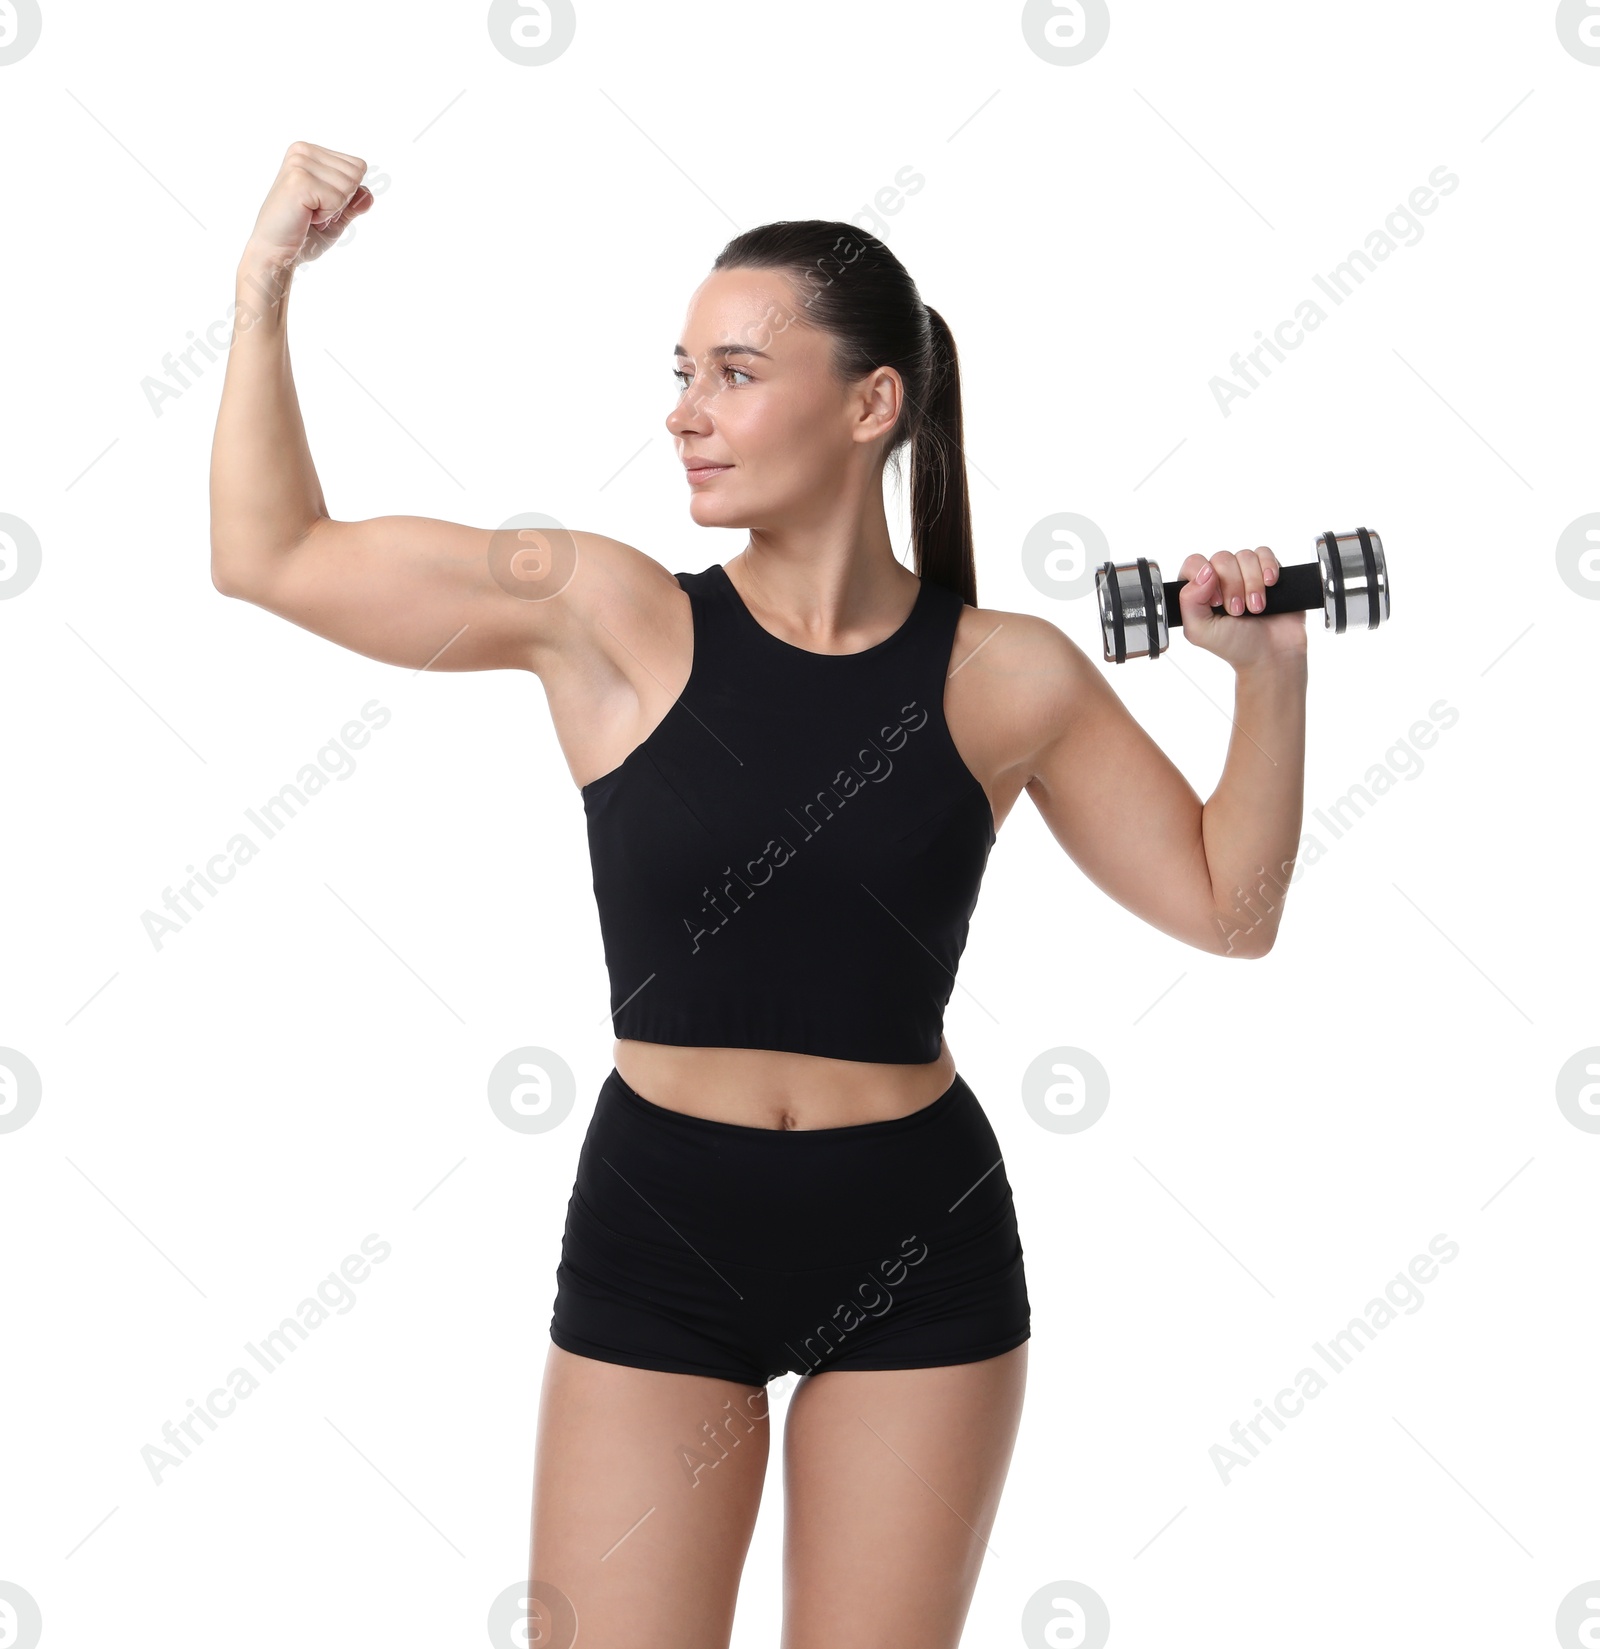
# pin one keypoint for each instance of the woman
(792, 768)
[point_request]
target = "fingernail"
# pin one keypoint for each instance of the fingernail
(1255, 601)
(1233, 606)
(1201, 576)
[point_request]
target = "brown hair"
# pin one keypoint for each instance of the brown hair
(855, 289)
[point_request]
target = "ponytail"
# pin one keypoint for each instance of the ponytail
(941, 513)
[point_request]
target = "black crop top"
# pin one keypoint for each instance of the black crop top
(791, 857)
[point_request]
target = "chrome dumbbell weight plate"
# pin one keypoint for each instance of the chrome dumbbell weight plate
(1349, 581)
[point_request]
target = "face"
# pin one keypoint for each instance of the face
(759, 405)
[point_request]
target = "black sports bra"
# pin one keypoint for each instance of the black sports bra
(791, 857)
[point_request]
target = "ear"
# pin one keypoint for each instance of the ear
(882, 395)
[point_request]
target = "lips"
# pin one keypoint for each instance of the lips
(699, 472)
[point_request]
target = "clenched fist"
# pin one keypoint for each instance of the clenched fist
(1236, 584)
(316, 193)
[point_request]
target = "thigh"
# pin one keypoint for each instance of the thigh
(646, 1487)
(891, 1483)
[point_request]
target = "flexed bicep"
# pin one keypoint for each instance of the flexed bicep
(429, 594)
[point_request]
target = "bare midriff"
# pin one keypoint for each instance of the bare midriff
(765, 1088)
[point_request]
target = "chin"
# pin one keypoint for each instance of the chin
(708, 512)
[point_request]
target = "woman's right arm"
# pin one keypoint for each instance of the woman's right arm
(404, 589)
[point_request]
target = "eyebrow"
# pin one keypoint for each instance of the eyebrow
(723, 351)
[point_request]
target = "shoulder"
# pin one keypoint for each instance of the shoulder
(615, 602)
(607, 580)
(601, 561)
(1029, 667)
(1017, 685)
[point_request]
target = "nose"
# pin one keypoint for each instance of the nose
(690, 413)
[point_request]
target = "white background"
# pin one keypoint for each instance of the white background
(226, 1117)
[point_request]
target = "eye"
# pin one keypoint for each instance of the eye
(682, 375)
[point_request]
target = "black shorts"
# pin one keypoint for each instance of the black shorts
(701, 1247)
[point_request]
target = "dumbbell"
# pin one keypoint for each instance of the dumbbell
(1349, 581)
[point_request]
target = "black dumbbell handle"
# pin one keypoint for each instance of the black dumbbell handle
(1302, 588)
(1297, 590)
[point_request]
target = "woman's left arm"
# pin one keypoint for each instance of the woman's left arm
(1212, 874)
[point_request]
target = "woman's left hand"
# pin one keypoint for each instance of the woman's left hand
(1241, 634)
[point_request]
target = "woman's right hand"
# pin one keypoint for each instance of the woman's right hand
(316, 193)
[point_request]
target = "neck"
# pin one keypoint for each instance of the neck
(828, 601)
